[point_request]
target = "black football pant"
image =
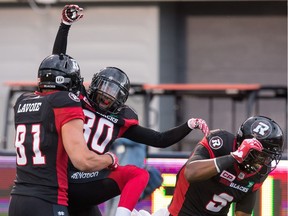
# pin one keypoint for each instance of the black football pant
(83, 198)
(32, 206)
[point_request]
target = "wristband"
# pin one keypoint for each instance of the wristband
(190, 123)
(222, 163)
(112, 157)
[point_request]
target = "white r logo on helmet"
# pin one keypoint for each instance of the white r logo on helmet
(261, 129)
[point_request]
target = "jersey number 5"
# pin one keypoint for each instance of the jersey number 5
(218, 202)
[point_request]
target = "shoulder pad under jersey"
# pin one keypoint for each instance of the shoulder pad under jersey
(64, 99)
(221, 142)
(128, 113)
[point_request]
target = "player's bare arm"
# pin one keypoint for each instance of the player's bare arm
(200, 170)
(77, 150)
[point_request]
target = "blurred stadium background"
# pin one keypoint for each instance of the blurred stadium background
(227, 60)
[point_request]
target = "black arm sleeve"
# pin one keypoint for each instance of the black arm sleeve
(157, 139)
(60, 43)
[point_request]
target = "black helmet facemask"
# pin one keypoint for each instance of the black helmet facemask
(109, 90)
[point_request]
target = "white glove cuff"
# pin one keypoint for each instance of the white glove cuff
(66, 23)
(190, 124)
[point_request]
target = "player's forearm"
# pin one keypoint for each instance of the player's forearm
(60, 43)
(75, 145)
(88, 161)
(200, 170)
(157, 139)
(92, 162)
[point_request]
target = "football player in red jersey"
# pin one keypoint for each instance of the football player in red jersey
(225, 169)
(107, 118)
(49, 129)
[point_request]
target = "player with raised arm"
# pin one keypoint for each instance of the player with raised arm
(108, 118)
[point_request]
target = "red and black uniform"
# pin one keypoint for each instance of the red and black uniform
(42, 161)
(100, 131)
(125, 123)
(214, 196)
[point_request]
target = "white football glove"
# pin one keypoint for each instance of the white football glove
(71, 13)
(197, 123)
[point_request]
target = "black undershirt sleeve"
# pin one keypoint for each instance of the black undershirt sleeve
(154, 138)
(60, 43)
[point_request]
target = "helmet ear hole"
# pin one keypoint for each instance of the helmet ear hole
(59, 72)
(269, 133)
(111, 84)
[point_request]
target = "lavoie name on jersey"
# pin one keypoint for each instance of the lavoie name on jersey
(29, 107)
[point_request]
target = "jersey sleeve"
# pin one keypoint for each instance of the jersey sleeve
(66, 106)
(129, 114)
(199, 153)
(219, 143)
